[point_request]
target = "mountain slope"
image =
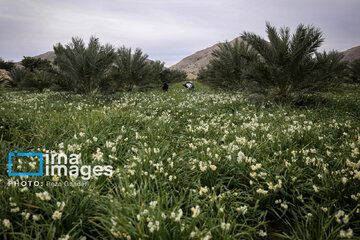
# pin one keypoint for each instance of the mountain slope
(193, 63)
(352, 54)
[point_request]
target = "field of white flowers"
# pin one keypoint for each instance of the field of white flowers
(200, 164)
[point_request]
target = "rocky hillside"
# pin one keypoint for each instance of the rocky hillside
(4, 77)
(193, 63)
(352, 54)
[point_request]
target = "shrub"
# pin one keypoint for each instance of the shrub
(84, 67)
(33, 64)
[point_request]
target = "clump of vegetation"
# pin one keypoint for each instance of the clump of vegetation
(7, 65)
(32, 64)
(35, 74)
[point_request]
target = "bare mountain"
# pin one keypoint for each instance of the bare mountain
(352, 54)
(193, 63)
(48, 56)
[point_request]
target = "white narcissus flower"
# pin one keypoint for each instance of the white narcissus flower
(44, 196)
(225, 226)
(153, 204)
(7, 223)
(195, 211)
(344, 180)
(349, 233)
(342, 233)
(36, 217)
(213, 167)
(262, 233)
(56, 215)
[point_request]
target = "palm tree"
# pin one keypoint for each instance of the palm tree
(329, 72)
(354, 69)
(40, 80)
(228, 64)
(17, 76)
(289, 64)
(84, 67)
(130, 69)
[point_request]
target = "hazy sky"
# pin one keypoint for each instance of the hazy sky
(168, 30)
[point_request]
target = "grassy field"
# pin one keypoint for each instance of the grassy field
(200, 164)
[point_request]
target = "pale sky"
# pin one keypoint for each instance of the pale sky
(167, 30)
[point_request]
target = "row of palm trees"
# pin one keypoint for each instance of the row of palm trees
(93, 68)
(88, 69)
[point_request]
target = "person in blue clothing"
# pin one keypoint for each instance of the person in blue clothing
(189, 85)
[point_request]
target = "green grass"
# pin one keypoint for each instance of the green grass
(250, 168)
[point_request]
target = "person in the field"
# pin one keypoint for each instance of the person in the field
(189, 85)
(165, 87)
